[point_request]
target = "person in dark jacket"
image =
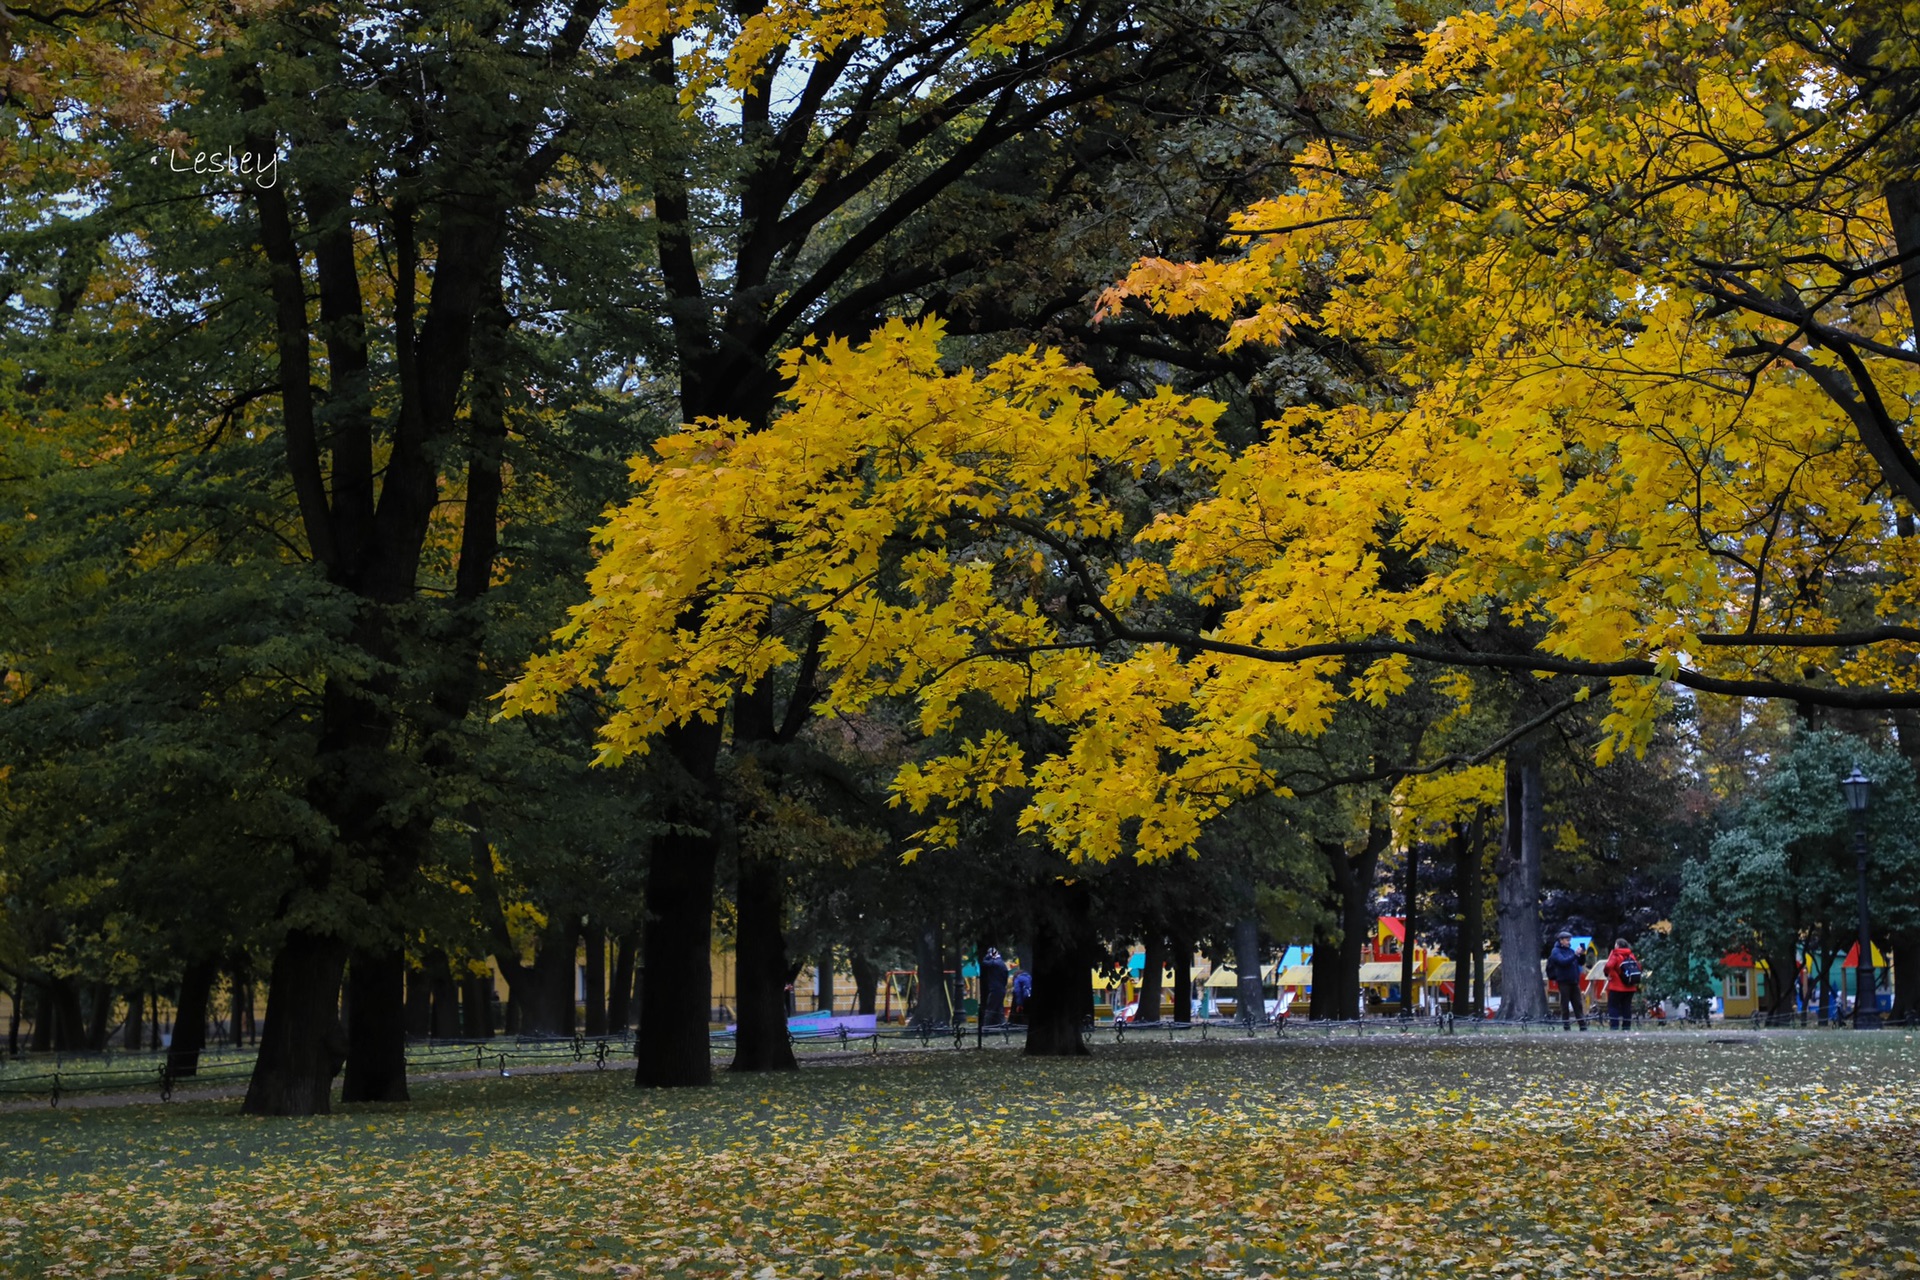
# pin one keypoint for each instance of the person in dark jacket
(1623, 983)
(993, 988)
(1564, 971)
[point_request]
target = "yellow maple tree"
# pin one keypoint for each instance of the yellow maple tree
(1632, 288)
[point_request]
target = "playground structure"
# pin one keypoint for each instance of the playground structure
(1439, 987)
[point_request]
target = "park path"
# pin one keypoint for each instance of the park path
(1386, 1041)
(238, 1088)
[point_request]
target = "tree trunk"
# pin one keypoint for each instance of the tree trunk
(477, 1011)
(1409, 921)
(1776, 994)
(930, 991)
(376, 1028)
(1336, 985)
(596, 979)
(13, 1017)
(1523, 994)
(1062, 1000)
(69, 1027)
(1152, 963)
(620, 1002)
(1467, 891)
(135, 1030)
(190, 1019)
(420, 992)
(866, 983)
(823, 993)
(241, 997)
(304, 1045)
(543, 992)
(761, 968)
(1182, 949)
(1249, 996)
(99, 1013)
(42, 1019)
(676, 984)
(1329, 986)
(1357, 905)
(443, 1012)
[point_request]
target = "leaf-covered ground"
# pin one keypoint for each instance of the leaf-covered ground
(1596, 1155)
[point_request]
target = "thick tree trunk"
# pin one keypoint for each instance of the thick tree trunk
(543, 996)
(823, 993)
(241, 1001)
(1062, 1000)
(866, 983)
(1523, 993)
(135, 1029)
(99, 1012)
(69, 1026)
(419, 1002)
(595, 979)
(1329, 995)
(1358, 906)
(620, 1002)
(1182, 949)
(1410, 921)
(762, 1044)
(477, 1006)
(1152, 963)
(1250, 997)
(304, 1045)
(190, 1019)
(376, 1028)
(13, 1017)
(42, 1041)
(443, 993)
(1336, 985)
(677, 979)
(930, 991)
(1357, 923)
(1467, 891)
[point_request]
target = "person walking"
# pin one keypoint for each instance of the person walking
(993, 988)
(1022, 994)
(1623, 983)
(1564, 971)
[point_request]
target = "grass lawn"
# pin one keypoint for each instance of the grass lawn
(1644, 1155)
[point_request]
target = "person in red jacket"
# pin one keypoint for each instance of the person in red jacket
(1623, 984)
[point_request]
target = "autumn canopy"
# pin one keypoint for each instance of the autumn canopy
(654, 509)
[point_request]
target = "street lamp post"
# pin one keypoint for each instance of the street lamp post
(1857, 787)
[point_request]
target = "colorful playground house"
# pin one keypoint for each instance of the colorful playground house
(1287, 986)
(1744, 982)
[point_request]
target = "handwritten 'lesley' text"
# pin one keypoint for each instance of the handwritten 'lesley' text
(263, 170)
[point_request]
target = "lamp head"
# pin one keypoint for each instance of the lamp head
(1857, 787)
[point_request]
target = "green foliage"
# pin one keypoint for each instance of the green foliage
(1781, 876)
